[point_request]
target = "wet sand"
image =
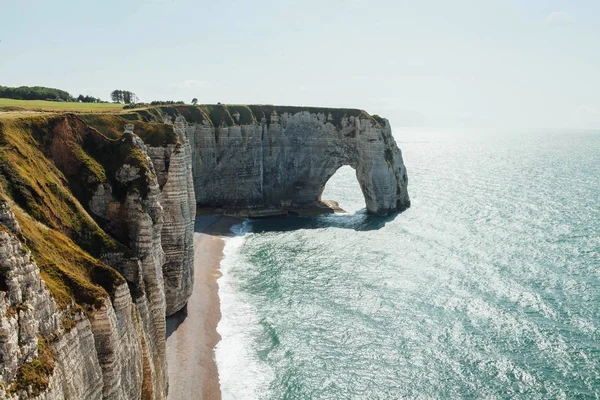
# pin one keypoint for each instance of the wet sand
(192, 332)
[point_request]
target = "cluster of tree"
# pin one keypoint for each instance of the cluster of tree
(43, 93)
(123, 96)
(34, 93)
(88, 99)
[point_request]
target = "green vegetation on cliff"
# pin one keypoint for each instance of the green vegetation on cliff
(35, 375)
(229, 115)
(145, 126)
(212, 114)
(49, 167)
(60, 233)
(35, 182)
(71, 274)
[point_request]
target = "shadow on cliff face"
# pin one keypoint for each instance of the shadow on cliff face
(359, 221)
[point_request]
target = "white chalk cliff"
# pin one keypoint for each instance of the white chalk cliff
(282, 161)
(137, 192)
(115, 349)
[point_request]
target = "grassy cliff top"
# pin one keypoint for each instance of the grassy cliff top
(212, 114)
(50, 165)
(20, 106)
(240, 114)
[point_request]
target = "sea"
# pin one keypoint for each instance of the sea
(488, 286)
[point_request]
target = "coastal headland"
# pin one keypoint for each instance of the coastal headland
(97, 215)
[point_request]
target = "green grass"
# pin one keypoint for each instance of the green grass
(62, 236)
(215, 114)
(70, 273)
(11, 106)
(35, 375)
(223, 114)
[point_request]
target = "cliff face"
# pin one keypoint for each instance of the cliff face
(137, 219)
(84, 276)
(173, 167)
(30, 319)
(281, 159)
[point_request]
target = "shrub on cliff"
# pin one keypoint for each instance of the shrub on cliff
(35, 375)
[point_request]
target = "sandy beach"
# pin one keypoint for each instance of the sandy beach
(192, 332)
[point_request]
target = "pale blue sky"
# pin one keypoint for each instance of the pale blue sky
(520, 64)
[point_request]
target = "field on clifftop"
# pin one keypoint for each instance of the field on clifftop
(12, 105)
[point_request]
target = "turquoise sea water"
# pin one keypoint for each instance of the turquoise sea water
(487, 287)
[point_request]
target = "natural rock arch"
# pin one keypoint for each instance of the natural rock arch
(341, 189)
(378, 181)
(281, 164)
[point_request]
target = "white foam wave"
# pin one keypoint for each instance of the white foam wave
(242, 375)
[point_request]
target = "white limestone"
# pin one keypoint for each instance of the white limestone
(284, 165)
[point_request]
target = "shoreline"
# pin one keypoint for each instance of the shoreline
(192, 332)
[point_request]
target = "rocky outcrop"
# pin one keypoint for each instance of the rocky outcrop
(173, 166)
(281, 161)
(28, 317)
(137, 220)
(115, 348)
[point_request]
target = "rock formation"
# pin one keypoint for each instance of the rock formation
(173, 167)
(96, 226)
(28, 317)
(105, 337)
(281, 159)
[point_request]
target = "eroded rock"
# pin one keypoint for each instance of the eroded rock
(283, 163)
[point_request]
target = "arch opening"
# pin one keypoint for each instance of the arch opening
(344, 189)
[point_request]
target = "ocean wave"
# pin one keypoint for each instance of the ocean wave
(241, 374)
(487, 287)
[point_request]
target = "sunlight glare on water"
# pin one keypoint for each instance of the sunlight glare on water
(488, 286)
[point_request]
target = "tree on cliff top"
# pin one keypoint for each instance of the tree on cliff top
(123, 96)
(88, 99)
(194, 101)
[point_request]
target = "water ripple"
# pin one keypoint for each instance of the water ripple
(487, 287)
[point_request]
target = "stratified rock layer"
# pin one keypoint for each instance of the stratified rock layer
(283, 163)
(173, 167)
(110, 347)
(27, 312)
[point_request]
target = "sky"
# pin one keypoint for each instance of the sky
(463, 63)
